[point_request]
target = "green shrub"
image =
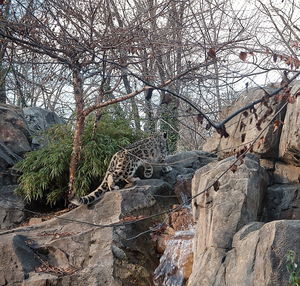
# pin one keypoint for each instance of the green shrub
(292, 267)
(45, 172)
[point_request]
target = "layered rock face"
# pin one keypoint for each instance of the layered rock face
(39, 119)
(14, 139)
(247, 225)
(289, 146)
(258, 255)
(221, 213)
(19, 131)
(233, 246)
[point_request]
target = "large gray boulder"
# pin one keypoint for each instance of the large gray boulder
(7, 157)
(11, 213)
(14, 132)
(184, 164)
(65, 252)
(286, 173)
(289, 147)
(258, 255)
(20, 131)
(221, 212)
(38, 120)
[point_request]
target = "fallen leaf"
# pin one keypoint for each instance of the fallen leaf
(276, 125)
(258, 125)
(251, 148)
(265, 99)
(242, 126)
(222, 131)
(260, 142)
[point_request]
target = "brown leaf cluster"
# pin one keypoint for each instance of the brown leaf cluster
(288, 60)
(276, 125)
(261, 120)
(181, 219)
(59, 271)
(132, 218)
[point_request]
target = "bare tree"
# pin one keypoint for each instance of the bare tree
(4, 12)
(76, 37)
(94, 54)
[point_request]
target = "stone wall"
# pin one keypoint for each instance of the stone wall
(246, 227)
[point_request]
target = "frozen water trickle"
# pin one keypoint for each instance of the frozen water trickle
(176, 262)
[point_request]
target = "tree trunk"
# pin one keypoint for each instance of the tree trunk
(2, 84)
(2, 74)
(150, 124)
(4, 12)
(135, 110)
(21, 98)
(79, 126)
(217, 85)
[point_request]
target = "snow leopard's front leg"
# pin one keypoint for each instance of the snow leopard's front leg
(166, 168)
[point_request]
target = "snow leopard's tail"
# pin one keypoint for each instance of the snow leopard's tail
(90, 198)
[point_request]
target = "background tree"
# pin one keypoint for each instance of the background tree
(73, 35)
(77, 57)
(4, 13)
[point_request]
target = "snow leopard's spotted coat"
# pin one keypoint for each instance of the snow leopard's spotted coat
(124, 164)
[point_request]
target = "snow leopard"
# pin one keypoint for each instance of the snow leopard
(124, 163)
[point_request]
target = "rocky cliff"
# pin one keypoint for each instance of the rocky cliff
(235, 233)
(104, 244)
(19, 133)
(246, 227)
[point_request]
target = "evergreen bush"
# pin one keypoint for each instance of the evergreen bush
(45, 172)
(292, 267)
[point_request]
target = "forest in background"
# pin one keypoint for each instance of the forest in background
(158, 65)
